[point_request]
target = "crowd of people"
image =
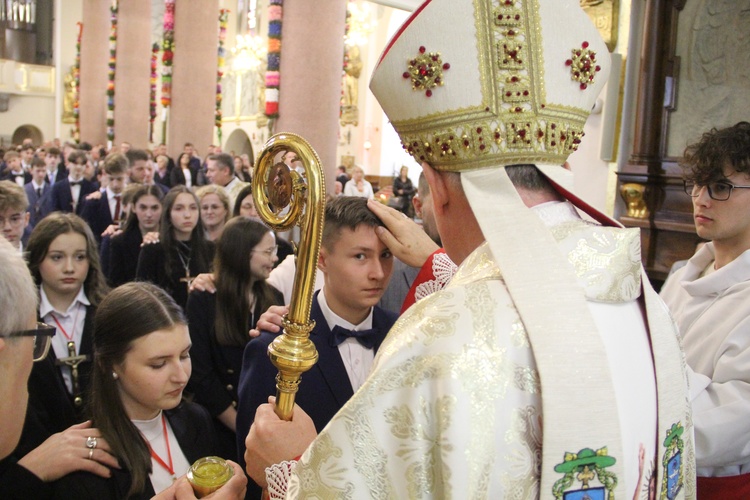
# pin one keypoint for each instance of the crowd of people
(505, 348)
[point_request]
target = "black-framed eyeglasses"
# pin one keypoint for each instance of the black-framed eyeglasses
(42, 338)
(718, 190)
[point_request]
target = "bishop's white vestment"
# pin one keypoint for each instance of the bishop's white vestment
(453, 407)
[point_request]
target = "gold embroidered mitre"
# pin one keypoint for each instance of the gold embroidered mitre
(520, 93)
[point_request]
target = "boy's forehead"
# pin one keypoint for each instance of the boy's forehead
(363, 237)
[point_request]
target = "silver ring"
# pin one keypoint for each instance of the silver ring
(91, 453)
(91, 442)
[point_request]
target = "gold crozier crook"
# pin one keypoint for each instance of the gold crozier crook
(284, 198)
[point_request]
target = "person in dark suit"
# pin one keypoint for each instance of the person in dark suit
(141, 169)
(124, 248)
(219, 322)
(64, 262)
(104, 211)
(36, 191)
(182, 251)
(68, 195)
(56, 170)
(349, 327)
(163, 172)
(13, 170)
(341, 175)
(186, 171)
(136, 401)
(18, 301)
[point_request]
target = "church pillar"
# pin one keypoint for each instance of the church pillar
(191, 116)
(312, 54)
(133, 72)
(94, 67)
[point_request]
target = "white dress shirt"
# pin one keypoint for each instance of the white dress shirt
(356, 357)
(71, 321)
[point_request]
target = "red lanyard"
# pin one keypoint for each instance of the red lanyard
(60, 327)
(170, 467)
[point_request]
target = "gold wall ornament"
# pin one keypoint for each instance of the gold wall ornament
(284, 198)
(633, 196)
(605, 14)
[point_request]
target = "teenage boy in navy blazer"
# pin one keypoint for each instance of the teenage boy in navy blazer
(68, 195)
(349, 327)
(37, 190)
(108, 209)
(14, 172)
(56, 170)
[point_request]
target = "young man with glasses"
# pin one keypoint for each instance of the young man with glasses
(13, 215)
(710, 301)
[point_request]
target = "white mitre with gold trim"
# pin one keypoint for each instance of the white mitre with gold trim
(472, 86)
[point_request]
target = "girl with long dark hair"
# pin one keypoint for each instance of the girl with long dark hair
(125, 247)
(219, 323)
(182, 251)
(140, 371)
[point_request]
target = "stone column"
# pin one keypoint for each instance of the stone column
(94, 67)
(133, 72)
(312, 55)
(191, 116)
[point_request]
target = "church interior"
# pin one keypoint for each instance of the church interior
(232, 73)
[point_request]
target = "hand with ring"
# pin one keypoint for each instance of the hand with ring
(79, 447)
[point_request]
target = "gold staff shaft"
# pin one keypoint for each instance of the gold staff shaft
(283, 203)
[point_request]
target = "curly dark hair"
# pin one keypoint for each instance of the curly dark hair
(704, 161)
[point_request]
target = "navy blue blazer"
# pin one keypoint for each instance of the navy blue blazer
(61, 200)
(8, 176)
(324, 389)
(96, 213)
(36, 202)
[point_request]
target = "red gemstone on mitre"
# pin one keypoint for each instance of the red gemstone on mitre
(481, 146)
(406, 74)
(428, 93)
(585, 45)
(437, 80)
(446, 66)
(583, 86)
(466, 143)
(434, 58)
(479, 130)
(569, 62)
(511, 33)
(598, 68)
(422, 49)
(522, 133)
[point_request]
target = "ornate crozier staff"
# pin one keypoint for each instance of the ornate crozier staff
(284, 199)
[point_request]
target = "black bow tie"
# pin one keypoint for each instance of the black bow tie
(368, 338)
(75, 183)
